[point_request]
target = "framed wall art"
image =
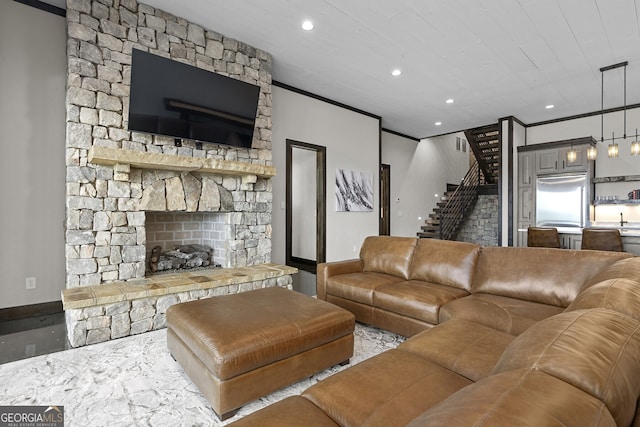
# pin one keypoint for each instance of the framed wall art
(354, 191)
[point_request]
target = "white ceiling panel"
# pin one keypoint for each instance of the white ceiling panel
(494, 57)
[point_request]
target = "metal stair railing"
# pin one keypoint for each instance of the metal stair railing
(463, 198)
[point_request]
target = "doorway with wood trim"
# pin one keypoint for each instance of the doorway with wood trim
(305, 205)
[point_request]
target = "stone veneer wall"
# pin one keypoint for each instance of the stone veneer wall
(482, 225)
(105, 225)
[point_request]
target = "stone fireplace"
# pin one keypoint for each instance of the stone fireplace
(185, 200)
(118, 181)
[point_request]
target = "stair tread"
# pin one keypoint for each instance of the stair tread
(427, 236)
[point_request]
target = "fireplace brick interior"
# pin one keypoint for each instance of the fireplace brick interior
(171, 230)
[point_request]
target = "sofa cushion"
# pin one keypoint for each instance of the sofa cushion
(509, 315)
(467, 348)
(388, 255)
(621, 295)
(627, 268)
(594, 350)
(293, 411)
(544, 275)
(523, 398)
(391, 388)
(445, 262)
(358, 286)
(416, 299)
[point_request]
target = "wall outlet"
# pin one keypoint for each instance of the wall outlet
(30, 283)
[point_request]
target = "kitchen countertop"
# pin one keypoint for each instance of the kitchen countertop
(626, 231)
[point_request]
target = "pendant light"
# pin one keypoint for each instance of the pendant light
(572, 154)
(612, 148)
(635, 146)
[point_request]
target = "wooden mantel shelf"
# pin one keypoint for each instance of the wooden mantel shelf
(145, 160)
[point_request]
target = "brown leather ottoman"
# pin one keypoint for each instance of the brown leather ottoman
(236, 348)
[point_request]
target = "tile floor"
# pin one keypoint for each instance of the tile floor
(33, 336)
(132, 380)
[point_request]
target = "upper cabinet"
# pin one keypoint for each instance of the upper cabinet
(554, 160)
(526, 168)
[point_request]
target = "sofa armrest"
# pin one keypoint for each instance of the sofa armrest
(329, 269)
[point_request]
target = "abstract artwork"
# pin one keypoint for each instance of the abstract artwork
(354, 191)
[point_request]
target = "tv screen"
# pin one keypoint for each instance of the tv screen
(178, 100)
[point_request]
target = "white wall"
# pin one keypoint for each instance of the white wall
(32, 163)
(419, 171)
(352, 142)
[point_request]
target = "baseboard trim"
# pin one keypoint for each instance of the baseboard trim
(32, 310)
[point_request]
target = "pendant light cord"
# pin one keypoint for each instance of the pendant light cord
(625, 102)
(601, 105)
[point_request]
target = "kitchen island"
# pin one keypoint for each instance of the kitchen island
(571, 237)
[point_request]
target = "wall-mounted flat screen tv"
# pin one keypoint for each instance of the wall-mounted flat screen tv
(178, 100)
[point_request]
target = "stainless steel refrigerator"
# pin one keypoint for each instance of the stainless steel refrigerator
(562, 201)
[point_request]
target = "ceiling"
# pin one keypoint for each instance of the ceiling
(495, 58)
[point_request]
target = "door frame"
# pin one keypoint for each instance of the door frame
(385, 200)
(321, 210)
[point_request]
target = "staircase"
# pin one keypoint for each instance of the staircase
(485, 144)
(451, 211)
(431, 229)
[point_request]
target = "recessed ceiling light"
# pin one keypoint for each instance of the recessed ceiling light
(437, 123)
(307, 25)
(550, 106)
(449, 101)
(396, 72)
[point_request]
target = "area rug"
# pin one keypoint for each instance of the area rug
(135, 381)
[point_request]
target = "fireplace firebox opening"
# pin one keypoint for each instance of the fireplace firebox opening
(181, 240)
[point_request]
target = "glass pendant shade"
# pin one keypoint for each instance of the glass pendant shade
(572, 155)
(635, 148)
(592, 153)
(612, 150)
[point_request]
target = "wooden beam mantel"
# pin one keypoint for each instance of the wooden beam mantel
(145, 160)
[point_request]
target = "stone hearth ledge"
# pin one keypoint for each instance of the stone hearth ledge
(145, 160)
(169, 283)
(114, 310)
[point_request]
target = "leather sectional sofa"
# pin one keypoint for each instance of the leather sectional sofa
(498, 337)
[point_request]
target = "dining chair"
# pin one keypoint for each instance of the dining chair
(543, 237)
(602, 239)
